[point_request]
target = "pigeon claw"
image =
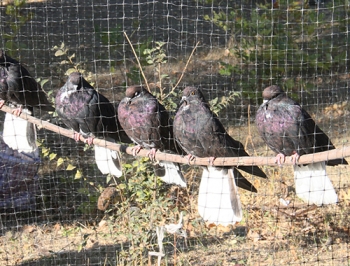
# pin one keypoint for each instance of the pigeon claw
(280, 158)
(295, 158)
(2, 102)
(211, 160)
(17, 111)
(136, 149)
(152, 154)
(190, 157)
(89, 140)
(76, 136)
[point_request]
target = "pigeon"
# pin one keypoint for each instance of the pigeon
(200, 134)
(19, 88)
(290, 131)
(149, 126)
(91, 115)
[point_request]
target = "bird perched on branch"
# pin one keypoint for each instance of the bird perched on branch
(148, 125)
(91, 115)
(200, 133)
(19, 88)
(290, 131)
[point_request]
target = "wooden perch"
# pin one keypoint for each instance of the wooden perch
(224, 161)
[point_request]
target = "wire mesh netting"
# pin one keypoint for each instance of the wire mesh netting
(66, 202)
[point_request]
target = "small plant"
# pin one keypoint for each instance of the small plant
(143, 205)
(73, 66)
(218, 104)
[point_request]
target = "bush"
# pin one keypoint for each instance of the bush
(286, 45)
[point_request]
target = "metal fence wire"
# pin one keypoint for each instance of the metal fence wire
(179, 132)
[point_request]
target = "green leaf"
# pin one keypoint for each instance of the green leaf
(70, 167)
(43, 82)
(122, 186)
(78, 175)
(108, 178)
(60, 53)
(45, 151)
(60, 161)
(127, 165)
(52, 156)
(72, 56)
(147, 51)
(64, 62)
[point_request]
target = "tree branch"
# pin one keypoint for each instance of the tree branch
(224, 161)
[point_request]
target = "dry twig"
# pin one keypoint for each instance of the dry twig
(138, 61)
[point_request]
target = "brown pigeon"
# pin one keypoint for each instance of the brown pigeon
(148, 124)
(91, 115)
(200, 133)
(290, 131)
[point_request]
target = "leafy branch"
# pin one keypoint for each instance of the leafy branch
(64, 51)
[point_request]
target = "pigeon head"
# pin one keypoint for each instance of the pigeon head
(271, 92)
(76, 81)
(191, 94)
(134, 92)
(75, 78)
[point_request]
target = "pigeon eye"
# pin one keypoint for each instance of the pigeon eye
(193, 93)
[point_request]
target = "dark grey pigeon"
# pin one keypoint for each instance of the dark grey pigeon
(19, 88)
(3, 86)
(200, 133)
(149, 126)
(91, 115)
(290, 131)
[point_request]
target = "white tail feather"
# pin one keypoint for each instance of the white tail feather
(173, 174)
(313, 185)
(108, 161)
(19, 134)
(218, 199)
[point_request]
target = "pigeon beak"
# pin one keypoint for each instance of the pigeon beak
(265, 101)
(183, 100)
(128, 102)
